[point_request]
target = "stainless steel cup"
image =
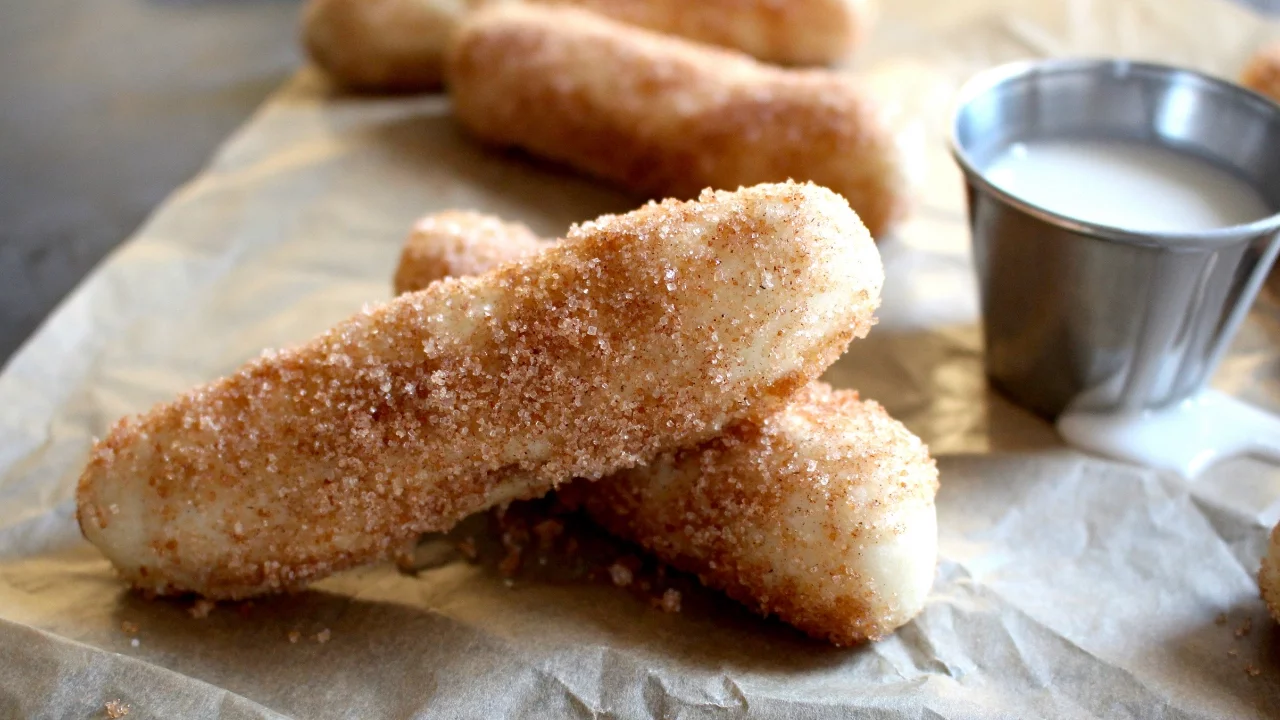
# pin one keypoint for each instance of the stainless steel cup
(1094, 317)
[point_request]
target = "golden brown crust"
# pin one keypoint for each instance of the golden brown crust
(1262, 73)
(664, 116)
(635, 334)
(821, 514)
(790, 32)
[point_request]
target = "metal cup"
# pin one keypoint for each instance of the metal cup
(1094, 317)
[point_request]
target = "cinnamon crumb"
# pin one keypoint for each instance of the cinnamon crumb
(129, 628)
(116, 709)
(671, 601)
(1245, 628)
(322, 637)
(294, 636)
(548, 531)
(1221, 619)
(201, 609)
(620, 574)
(510, 564)
(468, 548)
(1252, 671)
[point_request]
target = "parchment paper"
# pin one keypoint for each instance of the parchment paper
(1068, 586)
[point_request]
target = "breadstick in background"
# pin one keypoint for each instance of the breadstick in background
(457, 244)
(789, 32)
(822, 514)
(636, 334)
(1262, 73)
(399, 45)
(664, 116)
(382, 45)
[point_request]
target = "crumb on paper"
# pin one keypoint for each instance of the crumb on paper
(1232, 652)
(509, 583)
(1221, 619)
(620, 574)
(468, 548)
(128, 628)
(405, 558)
(1245, 628)
(548, 531)
(116, 709)
(201, 609)
(323, 636)
(134, 642)
(510, 564)
(668, 601)
(294, 636)
(1251, 670)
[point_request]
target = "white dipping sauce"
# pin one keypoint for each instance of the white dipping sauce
(1185, 438)
(1134, 186)
(1145, 188)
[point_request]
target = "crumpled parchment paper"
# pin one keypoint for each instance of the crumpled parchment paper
(1068, 586)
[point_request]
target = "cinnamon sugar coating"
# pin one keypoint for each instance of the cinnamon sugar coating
(822, 514)
(634, 335)
(664, 116)
(790, 32)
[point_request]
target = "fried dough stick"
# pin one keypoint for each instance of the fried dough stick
(400, 45)
(667, 117)
(823, 513)
(635, 335)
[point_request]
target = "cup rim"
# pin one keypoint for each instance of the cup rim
(991, 78)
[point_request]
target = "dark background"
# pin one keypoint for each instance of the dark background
(106, 106)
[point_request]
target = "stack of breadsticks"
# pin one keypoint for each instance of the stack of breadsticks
(666, 357)
(608, 87)
(400, 45)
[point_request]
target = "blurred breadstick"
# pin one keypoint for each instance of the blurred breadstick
(457, 244)
(790, 32)
(665, 116)
(1262, 73)
(823, 513)
(634, 335)
(382, 45)
(399, 45)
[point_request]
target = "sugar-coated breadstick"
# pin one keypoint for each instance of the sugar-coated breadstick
(665, 116)
(399, 45)
(823, 513)
(634, 335)
(382, 45)
(790, 32)
(1262, 73)
(457, 244)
